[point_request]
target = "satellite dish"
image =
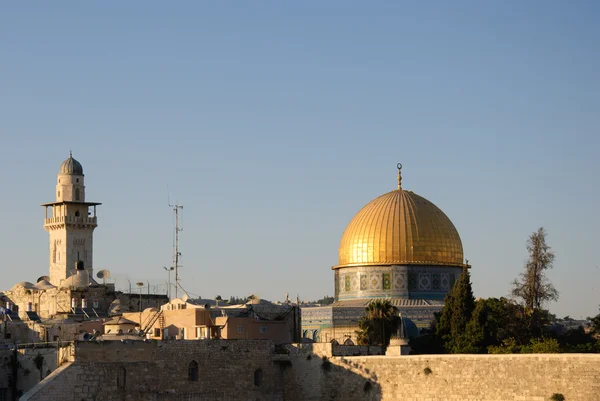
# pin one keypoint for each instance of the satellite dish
(185, 297)
(103, 274)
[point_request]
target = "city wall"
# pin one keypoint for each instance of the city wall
(257, 370)
(161, 371)
(531, 377)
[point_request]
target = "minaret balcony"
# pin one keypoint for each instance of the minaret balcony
(71, 220)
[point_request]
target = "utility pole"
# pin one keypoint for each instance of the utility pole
(176, 253)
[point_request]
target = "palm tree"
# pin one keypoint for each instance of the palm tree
(380, 321)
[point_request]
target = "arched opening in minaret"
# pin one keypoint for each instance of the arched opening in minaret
(76, 194)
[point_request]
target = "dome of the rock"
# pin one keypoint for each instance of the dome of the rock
(400, 245)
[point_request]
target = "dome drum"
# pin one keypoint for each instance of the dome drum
(395, 281)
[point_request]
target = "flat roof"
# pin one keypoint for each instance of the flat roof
(71, 203)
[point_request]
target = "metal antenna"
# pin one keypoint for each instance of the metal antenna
(176, 253)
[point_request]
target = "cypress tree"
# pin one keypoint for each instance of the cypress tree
(458, 310)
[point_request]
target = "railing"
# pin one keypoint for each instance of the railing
(71, 220)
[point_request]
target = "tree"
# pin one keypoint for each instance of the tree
(494, 321)
(326, 300)
(381, 320)
(532, 286)
(595, 324)
(458, 311)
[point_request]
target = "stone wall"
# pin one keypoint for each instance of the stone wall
(534, 377)
(160, 371)
(27, 374)
(227, 370)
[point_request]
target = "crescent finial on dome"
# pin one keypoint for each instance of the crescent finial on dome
(399, 166)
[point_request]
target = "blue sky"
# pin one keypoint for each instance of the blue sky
(273, 123)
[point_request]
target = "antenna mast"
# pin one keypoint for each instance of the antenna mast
(176, 253)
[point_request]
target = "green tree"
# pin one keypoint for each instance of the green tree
(532, 286)
(326, 300)
(456, 314)
(494, 321)
(595, 324)
(380, 322)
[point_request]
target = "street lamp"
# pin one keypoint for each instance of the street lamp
(169, 269)
(140, 285)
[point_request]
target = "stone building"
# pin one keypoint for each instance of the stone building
(399, 247)
(187, 320)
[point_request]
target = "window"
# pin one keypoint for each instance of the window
(157, 332)
(121, 377)
(263, 329)
(193, 371)
(76, 194)
(240, 329)
(58, 194)
(258, 377)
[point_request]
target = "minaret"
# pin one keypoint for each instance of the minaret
(70, 222)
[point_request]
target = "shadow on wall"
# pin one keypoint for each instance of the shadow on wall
(317, 377)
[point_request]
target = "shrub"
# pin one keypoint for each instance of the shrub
(557, 397)
(541, 346)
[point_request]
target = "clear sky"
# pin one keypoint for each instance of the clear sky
(273, 123)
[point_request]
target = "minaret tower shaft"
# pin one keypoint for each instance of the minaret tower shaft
(70, 222)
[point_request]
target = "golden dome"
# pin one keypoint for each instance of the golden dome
(400, 227)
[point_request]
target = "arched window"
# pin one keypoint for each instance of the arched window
(121, 377)
(193, 371)
(76, 194)
(77, 213)
(258, 377)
